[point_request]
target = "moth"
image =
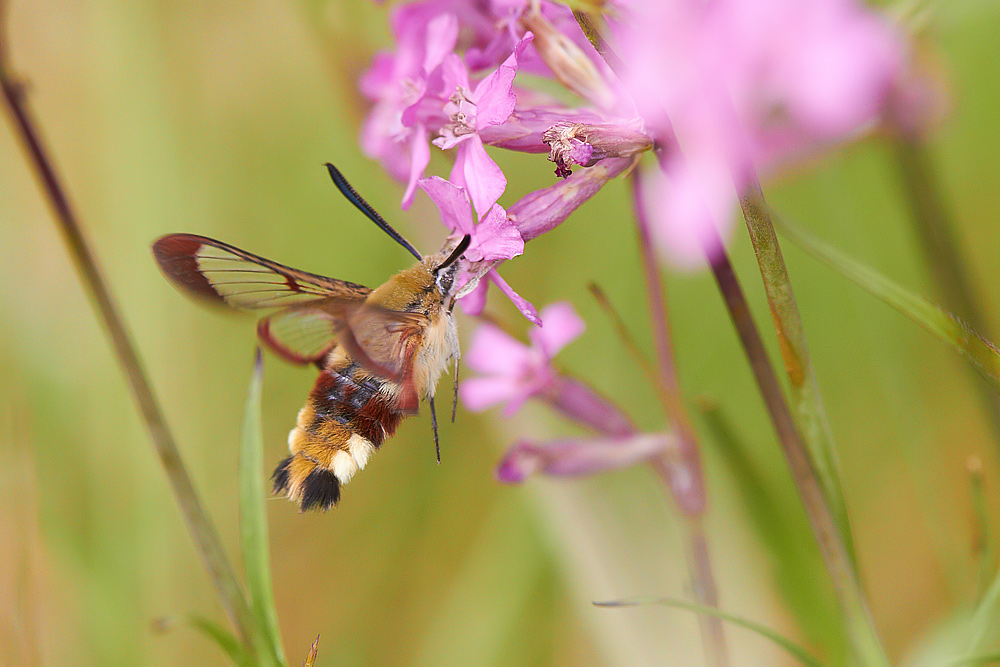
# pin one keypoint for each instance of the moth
(379, 350)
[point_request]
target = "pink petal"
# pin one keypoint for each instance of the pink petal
(495, 353)
(690, 208)
(562, 325)
(474, 302)
(494, 95)
(480, 175)
(526, 308)
(420, 156)
(480, 393)
(452, 204)
(442, 35)
(495, 237)
(520, 396)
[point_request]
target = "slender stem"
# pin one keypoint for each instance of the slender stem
(692, 500)
(586, 22)
(626, 337)
(792, 342)
(684, 472)
(982, 548)
(934, 226)
(200, 526)
(934, 229)
(850, 595)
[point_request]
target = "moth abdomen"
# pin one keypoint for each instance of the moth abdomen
(348, 415)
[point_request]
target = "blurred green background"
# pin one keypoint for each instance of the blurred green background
(215, 118)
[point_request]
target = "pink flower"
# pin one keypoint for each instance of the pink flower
(494, 239)
(576, 457)
(737, 86)
(450, 107)
(425, 33)
(514, 372)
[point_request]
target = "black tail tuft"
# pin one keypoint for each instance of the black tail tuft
(280, 477)
(320, 490)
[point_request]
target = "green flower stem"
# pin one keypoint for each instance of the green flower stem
(934, 229)
(850, 596)
(202, 530)
(690, 496)
(805, 396)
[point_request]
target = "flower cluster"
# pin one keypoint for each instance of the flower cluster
(716, 91)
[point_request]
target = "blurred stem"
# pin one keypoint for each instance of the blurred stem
(850, 596)
(681, 469)
(934, 227)
(982, 619)
(199, 524)
(626, 336)
(982, 549)
(806, 400)
(692, 501)
(589, 27)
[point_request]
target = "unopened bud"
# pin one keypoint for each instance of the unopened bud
(568, 61)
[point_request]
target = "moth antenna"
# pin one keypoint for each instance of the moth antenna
(454, 396)
(352, 196)
(434, 425)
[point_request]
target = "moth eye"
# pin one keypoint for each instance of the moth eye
(445, 280)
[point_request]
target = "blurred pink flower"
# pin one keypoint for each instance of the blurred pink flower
(732, 87)
(424, 34)
(577, 457)
(514, 372)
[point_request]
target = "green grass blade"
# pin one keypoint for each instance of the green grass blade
(984, 659)
(791, 647)
(253, 521)
(798, 567)
(223, 638)
(983, 354)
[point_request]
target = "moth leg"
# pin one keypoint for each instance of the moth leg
(434, 425)
(454, 397)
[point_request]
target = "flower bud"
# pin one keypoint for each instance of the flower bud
(568, 61)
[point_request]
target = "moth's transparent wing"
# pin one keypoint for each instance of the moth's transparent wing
(303, 329)
(385, 342)
(218, 271)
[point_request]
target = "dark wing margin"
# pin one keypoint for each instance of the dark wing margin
(223, 273)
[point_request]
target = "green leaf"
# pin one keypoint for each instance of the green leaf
(799, 652)
(223, 638)
(253, 521)
(984, 355)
